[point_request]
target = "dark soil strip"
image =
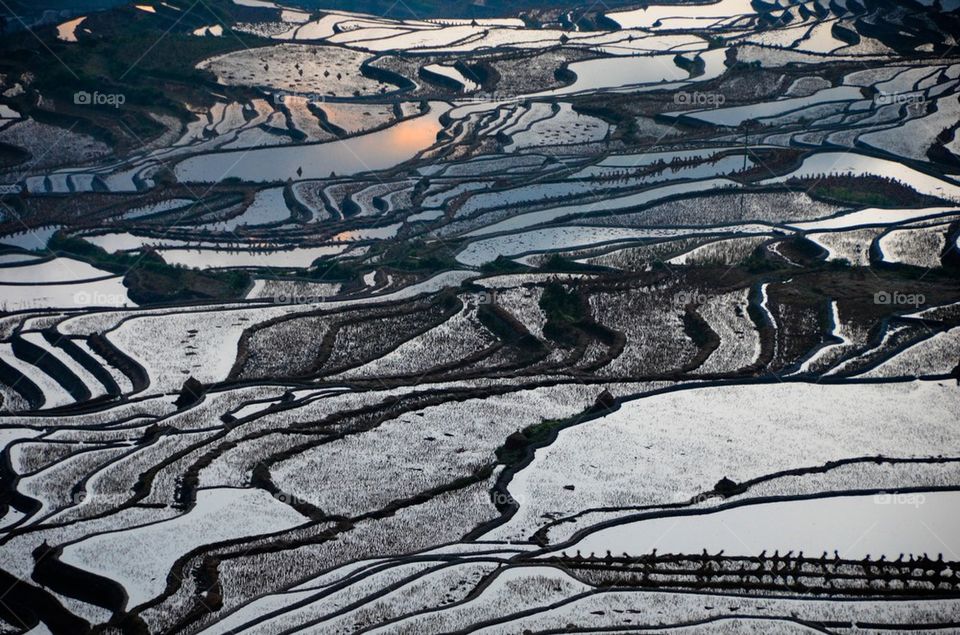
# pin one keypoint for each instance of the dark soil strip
(18, 382)
(26, 605)
(33, 354)
(54, 338)
(136, 373)
(68, 580)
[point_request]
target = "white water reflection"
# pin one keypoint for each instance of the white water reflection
(836, 163)
(31, 239)
(73, 295)
(374, 151)
(300, 257)
(614, 72)
(855, 526)
(736, 115)
(676, 16)
(67, 32)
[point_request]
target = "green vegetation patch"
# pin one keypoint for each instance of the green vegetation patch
(514, 449)
(564, 310)
(865, 191)
(150, 280)
(418, 255)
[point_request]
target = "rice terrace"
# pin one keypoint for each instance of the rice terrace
(479, 316)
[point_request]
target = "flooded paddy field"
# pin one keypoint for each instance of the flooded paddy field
(332, 318)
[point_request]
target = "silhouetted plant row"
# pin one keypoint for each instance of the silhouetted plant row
(824, 575)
